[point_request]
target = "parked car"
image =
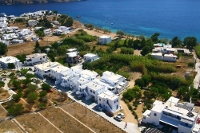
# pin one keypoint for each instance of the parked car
(197, 104)
(118, 118)
(98, 108)
(121, 115)
(110, 114)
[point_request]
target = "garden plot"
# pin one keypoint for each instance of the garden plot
(9, 127)
(2, 113)
(34, 123)
(63, 121)
(91, 119)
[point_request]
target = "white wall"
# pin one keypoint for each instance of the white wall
(113, 103)
(36, 59)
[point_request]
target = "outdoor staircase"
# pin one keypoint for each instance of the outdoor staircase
(108, 104)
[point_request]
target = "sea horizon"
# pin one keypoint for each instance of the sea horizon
(139, 18)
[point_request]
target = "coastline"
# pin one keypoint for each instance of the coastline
(6, 3)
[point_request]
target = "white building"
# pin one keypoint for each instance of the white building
(90, 57)
(47, 32)
(169, 57)
(104, 39)
(158, 56)
(64, 29)
(24, 32)
(32, 23)
(115, 80)
(57, 32)
(4, 61)
(93, 89)
(179, 116)
(165, 57)
(55, 71)
(43, 70)
(36, 58)
(109, 101)
(72, 56)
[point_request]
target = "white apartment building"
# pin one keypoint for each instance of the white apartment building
(93, 89)
(36, 58)
(104, 39)
(109, 101)
(115, 80)
(89, 57)
(179, 116)
(43, 70)
(56, 71)
(4, 61)
(47, 32)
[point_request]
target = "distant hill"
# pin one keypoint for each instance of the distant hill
(16, 2)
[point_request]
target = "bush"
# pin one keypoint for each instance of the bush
(191, 64)
(129, 95)
(1, 84)
(46, 87)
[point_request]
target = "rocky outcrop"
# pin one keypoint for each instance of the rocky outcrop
(16, 2)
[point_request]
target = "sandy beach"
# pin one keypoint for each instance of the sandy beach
(99, 33)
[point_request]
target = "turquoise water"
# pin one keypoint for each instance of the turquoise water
(139, 17)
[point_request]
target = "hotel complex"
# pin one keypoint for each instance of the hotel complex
(86, 84)
(178, 116)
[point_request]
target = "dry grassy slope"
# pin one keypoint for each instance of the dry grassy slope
(14, 2)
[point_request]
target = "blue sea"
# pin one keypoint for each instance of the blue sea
(139, 17)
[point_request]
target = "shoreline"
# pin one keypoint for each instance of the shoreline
(36, 2)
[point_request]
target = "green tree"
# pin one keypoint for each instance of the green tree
(24, 71)
(46, 87)
(43, 93)
(37, 47)
(16, 97)
(129, 95)
(41, 34)
(21, 57)
(139, 82)
(15, 109)
(32, 87)
(190, 42)
(154, 37)
(16, 84)
(32, 97)
(2, 84)
(11, 65)
(120, 33)
(69, 22)
(176, 42)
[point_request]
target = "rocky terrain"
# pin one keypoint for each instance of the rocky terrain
(15, 2)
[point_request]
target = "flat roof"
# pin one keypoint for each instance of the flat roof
(94, 86)
(9, 59)
(47, 65)
(90, 55)
(108, 95)
(72, 54)
(59, 68)
(36, 55)
(105, 36)
(157, 54)
(89, 73)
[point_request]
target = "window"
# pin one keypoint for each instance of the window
(40, 58)
(99, 99)
(155, 114)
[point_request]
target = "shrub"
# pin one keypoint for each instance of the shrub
(129, 95)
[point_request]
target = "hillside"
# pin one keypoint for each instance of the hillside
(16, 2)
